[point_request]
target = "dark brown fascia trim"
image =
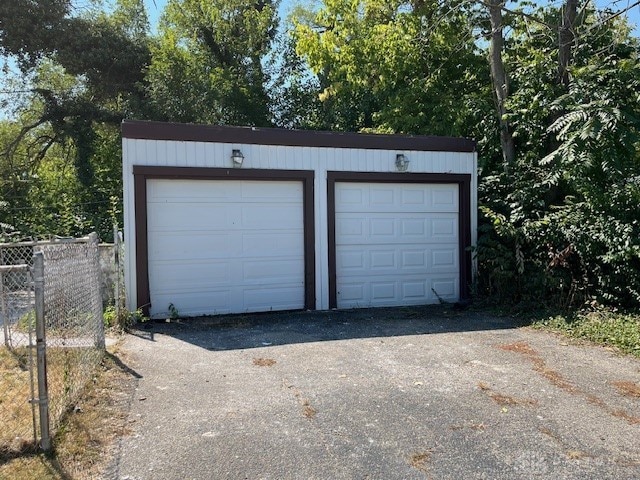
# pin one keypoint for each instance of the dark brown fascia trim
(464, 217)
(143, 173)
(137, 129)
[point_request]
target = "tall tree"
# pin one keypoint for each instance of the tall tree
(500, 80)
(207, 62)
(102, 56)
(406, 67)
(566, 36)
(84, 72)
(562, 225)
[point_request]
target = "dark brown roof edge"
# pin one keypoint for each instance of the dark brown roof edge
(297, 138)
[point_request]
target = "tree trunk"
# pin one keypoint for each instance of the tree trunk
(566, 38)
(500, 81)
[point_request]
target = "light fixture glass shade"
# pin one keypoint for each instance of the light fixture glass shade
(402, 162)
(237, 158)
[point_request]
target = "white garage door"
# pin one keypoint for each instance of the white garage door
(396, 244)
(225, 246)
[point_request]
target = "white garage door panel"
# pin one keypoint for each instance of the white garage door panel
(177, 246)
(184, 275)
(368, 291)
(225, 246)
(208, 217)
(396, 244)
(208, 273)
(280, 298)
(170, 217)
(280, 270)
(394, 198)
(406, 259)
(271, 244)
(400, 228)
(214, 191)
(261, 217)
(196, 302)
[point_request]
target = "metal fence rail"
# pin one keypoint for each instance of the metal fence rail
(52, 330)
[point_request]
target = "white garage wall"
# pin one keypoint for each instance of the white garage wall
(169, 153)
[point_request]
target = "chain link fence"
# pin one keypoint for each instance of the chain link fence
(72, 319)
(53, 331)
(17, 355)
(16, 294)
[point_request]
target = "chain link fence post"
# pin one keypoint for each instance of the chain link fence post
(99, 339)
(41, 350)
(116, 263)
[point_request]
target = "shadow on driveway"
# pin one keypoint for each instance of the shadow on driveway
(233, 332)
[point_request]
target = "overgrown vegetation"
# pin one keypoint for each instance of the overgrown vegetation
(122, 319)
(618, 330)
(550, 93)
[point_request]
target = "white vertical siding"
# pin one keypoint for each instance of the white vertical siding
(202, 154)
(320, 160)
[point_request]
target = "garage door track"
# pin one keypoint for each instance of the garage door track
(376, 394)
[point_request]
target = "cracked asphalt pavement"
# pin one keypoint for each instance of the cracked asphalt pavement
(407, 393)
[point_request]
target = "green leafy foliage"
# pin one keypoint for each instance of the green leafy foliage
(122, 319)
(206, 64)
(395, 66)
(60, 156)
(562, 226)
(609, 328)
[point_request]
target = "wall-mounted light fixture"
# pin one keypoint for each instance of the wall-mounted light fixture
(402, 162)
(237, 158)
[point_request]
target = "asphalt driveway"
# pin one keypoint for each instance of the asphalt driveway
(376, 394)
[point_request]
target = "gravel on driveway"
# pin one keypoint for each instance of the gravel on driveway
(408, 393)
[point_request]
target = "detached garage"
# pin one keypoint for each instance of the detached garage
(239, 219)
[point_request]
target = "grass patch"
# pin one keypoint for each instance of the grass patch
(68, 369)
(86, 438)
(619, 330)
(16, 433)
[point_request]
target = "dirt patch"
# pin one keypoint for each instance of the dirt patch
(16, 434)
(420, 460)
(505, 400)
(519, 347)
(539, 365)
(555, 378)
(264, 362)
(571, 454)
(628, 389)
(576, 455)
(631, 419)
(308, 411)
(478, 427)
(64, 371)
